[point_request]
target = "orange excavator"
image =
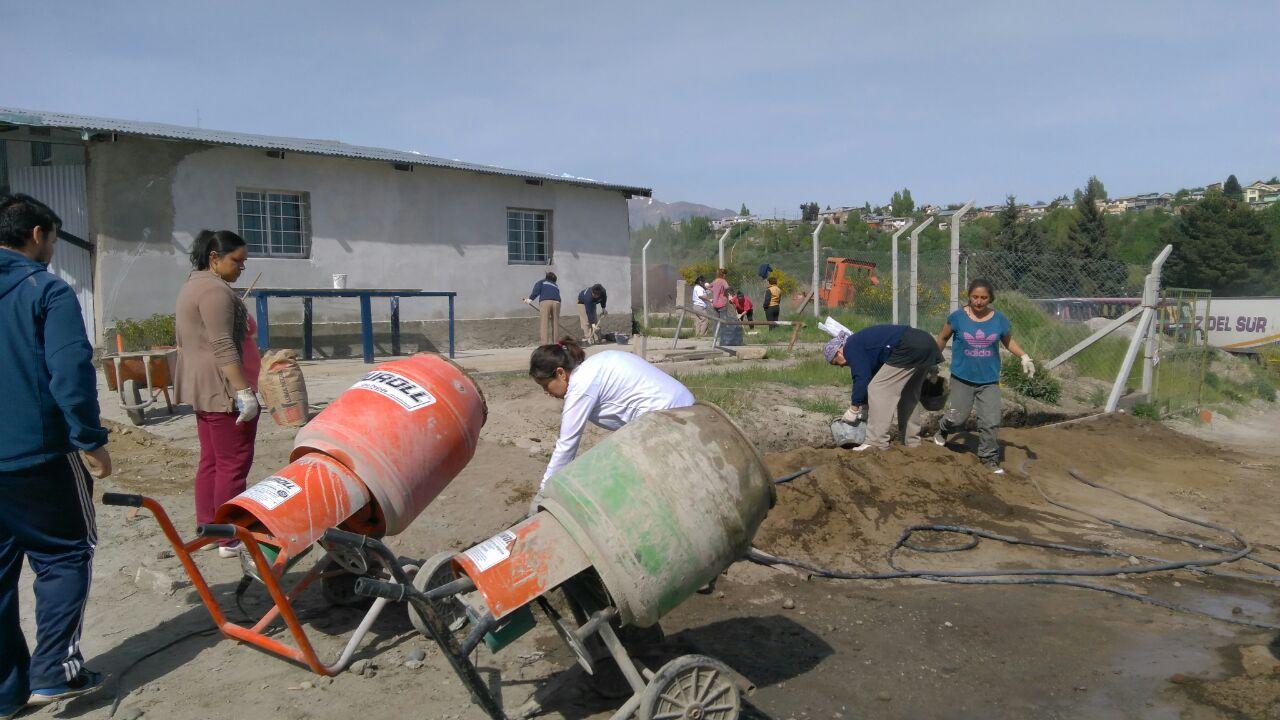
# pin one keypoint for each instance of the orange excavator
(842, 279)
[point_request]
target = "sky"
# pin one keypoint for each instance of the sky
(765, 103)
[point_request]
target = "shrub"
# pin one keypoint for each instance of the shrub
(1043, 386)
(1146, 411)
(786, 281)
(147, 333)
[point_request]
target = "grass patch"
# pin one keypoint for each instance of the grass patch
(1146, 411)
(1042, 386)
(826, 406)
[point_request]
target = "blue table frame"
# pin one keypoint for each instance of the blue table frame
(262, 295)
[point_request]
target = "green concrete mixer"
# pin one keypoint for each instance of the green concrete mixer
(623, 535)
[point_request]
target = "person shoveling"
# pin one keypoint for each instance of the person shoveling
(889, 365)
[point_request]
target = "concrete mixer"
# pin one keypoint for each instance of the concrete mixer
(370, 463)
(625, 533)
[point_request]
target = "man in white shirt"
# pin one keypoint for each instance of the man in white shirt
(700, 304)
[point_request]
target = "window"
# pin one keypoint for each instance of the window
(274, 223)
(41, 154)
(528, 237)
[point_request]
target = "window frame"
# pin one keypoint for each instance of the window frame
(39, 159)
(304, 218)
(547, 247)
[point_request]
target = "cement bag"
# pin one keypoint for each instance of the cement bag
(283, 389)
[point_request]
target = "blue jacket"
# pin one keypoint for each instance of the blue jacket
(46, 368)
(545, 290)
(866, 351)
(585, 299)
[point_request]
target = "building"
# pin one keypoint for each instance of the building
(838, 216)
(1260, 193)
(134, 194)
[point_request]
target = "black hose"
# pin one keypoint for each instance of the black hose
(1058, 576)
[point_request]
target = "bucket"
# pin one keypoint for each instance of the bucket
(663, 506)
(406, 429)
(339, 281)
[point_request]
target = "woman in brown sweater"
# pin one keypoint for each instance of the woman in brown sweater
(218, 370)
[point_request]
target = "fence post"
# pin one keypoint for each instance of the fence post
(915, 268)
(720, 243)
(644, 280)
(1150, 300)
(894, 242)
(817, 277)
(955, 255)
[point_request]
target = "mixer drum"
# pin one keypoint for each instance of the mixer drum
(405, 429)
(663, 506)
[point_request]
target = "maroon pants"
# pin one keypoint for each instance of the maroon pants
(226, 454)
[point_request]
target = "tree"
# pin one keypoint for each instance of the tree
(1223, 246)
(809, 212)
(1016, 235)
(901, 203)
(1232, 190)
(744, 211)
(1089, 238)
(1095, 185)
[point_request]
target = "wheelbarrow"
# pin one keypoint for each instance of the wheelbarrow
(131, 374)
(369, 464)
(624, 534)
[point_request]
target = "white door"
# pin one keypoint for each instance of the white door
(62, 187)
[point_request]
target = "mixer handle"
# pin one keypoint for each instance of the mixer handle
(343, 538)
(371, 587)
(216, 531)
(122, 499)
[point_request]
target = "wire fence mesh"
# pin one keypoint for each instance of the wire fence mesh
(1182, 349)
(1053, 301)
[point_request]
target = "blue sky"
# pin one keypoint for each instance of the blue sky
(771, 104)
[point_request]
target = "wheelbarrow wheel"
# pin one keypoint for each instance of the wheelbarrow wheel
(133, 396)
(692, 687)
(437, 571)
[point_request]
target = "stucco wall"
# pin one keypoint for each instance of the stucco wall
(432, 228)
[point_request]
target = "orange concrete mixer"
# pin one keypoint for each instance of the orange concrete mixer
(370, 463)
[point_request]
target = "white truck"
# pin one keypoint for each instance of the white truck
(1241, 324)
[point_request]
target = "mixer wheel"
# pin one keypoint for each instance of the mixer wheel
(433, 573)
(340, 589)
(692, 687)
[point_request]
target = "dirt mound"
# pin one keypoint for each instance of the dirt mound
(849, 511)
(145, 463)
(854, 505)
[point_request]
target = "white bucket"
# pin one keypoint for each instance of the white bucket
(339, 281)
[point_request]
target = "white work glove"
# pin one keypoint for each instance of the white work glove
(527, 301)
(603, 312)
(853, 415)
(1028, 367)
(247, 405)
(534, 503)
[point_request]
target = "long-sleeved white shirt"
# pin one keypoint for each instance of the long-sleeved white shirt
(611, 389)
(699, 296)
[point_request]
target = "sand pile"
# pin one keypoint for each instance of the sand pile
(144, 463)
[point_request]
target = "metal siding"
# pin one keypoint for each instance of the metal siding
(62, 187)
(334, 148)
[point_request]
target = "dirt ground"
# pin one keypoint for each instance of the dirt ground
(814, 648)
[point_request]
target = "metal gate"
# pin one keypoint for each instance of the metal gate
(1183, 350)
(62, 187)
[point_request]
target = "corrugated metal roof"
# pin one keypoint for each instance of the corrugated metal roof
(334, 148)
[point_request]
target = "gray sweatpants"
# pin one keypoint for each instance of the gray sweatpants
(963, 398)
(894, 388)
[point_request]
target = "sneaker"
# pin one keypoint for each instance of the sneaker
(994, 466)
(863, 447)
(86, 682)
(230, 551)
(940, 438)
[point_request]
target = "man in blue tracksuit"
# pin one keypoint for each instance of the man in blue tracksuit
(46, 502)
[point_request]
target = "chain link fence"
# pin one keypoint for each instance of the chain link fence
(1182, 352)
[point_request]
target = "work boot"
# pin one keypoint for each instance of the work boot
(85, 682)
(993, 464)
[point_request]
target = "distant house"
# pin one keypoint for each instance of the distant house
(930, 209)
(838, 216)
(134, 194)
(1258, 192)
(1036, 211)
(726, 223)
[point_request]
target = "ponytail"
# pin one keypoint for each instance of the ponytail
(546, 359)
(207, 241)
